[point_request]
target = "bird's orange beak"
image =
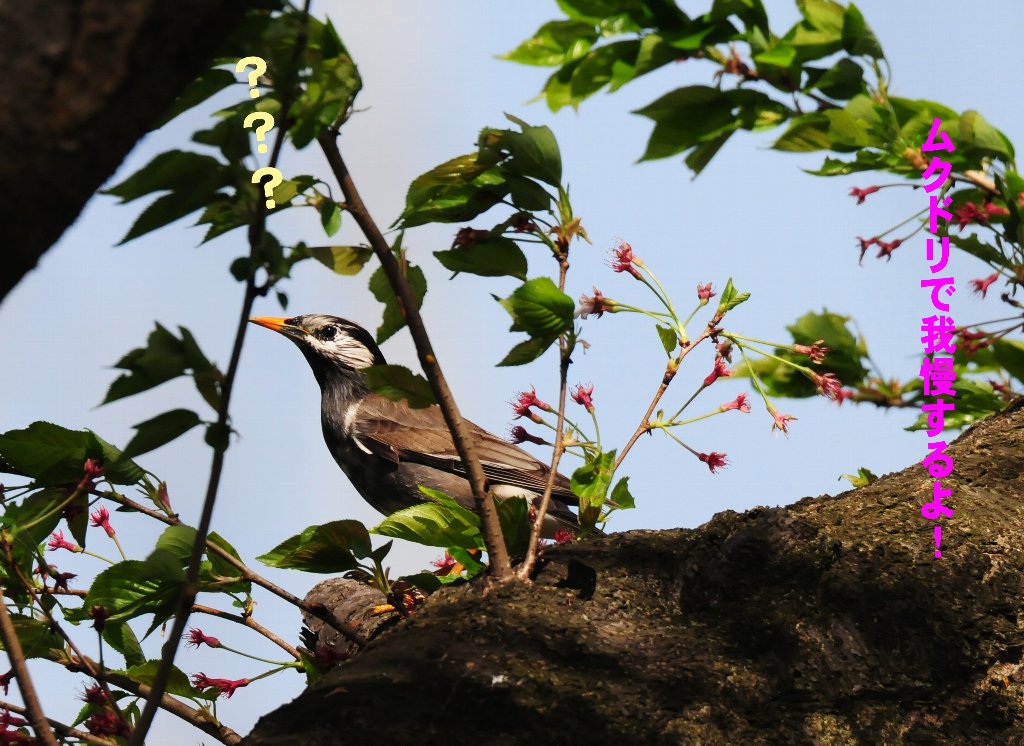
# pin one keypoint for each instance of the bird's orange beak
(279, 324)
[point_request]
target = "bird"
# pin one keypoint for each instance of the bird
(387, 449)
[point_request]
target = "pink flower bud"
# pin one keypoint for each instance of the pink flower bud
(582, 396)
(714, 460)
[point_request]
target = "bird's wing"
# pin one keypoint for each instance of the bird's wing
(395, 431)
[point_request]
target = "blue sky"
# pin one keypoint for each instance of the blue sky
(431, 82)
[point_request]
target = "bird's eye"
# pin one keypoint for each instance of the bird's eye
(327, 333)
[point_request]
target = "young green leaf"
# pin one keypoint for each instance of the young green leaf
(668, 338)
(393, 319)
(540, 309)
(51, 454)
(730, 298)
(331, 547)
(161, 430)
(492, 256)
(455, 191)
(555, 43)
(345, 260)
(621, 495)
(441, 523)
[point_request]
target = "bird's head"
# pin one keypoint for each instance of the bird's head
(332, 345)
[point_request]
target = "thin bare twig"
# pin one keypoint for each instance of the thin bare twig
(670, 373)
(249, 622)
(64, 730)
(189, 589)
(501, 567)
(12, 646)
(526, 568)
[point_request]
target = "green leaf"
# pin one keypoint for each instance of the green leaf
(177, 684)
(331, 84)
(161, 430)
(555, 43)
(1010, 354)
(590, 483)
(669, 340)
(687, 117)
(977, 134)
(174, 171)
(164, 357)
(394, 319)
(492, 256)
(844, 80)
(177, 541)
(330, 216)
(974, 401)
(455, 191)
(526, 352)
(207, 84)
(133, 588)
(439, 523)
(37, 638)
(621, 495)
(51, 454)
(345, 260)
(806, 133)
(730, 298)
(857, 36)
(540, 309)
(331, 547)
(975, 247)
(396, 382)
(532, 152)
(122, 638)
(221, 566)
(515, 527)
(862, 478)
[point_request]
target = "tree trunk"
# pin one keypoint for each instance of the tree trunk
(83, 81)
(826, 622)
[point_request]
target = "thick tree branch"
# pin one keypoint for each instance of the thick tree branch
(501, 567)
(84, 80)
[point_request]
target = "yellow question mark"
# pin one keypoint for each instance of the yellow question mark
(261, 67)
(275, 180)
(263, 129)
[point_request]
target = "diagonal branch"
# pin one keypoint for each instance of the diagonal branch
(501, 567)
(12, 646)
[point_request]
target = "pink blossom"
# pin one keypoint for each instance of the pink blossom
(519, 434)
(885, 248)
(564, 535)
(714, 460)
(704, 293)
(223, 686)
(196, 637)
(865, 244)
(106, 722)
(582, 396)
(861, 194)
(595, 304)
(5, 680)
(816, 352)
(981, 286)
(720, 370)
(740, 403)
(781, 421)
(624, 259)
(526, 399)
(445, 562)
(828, 385)
(57, 541)
(101, 519)
(844, 394)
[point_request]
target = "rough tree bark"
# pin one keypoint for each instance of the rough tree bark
(83, 81)
(825, 622)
